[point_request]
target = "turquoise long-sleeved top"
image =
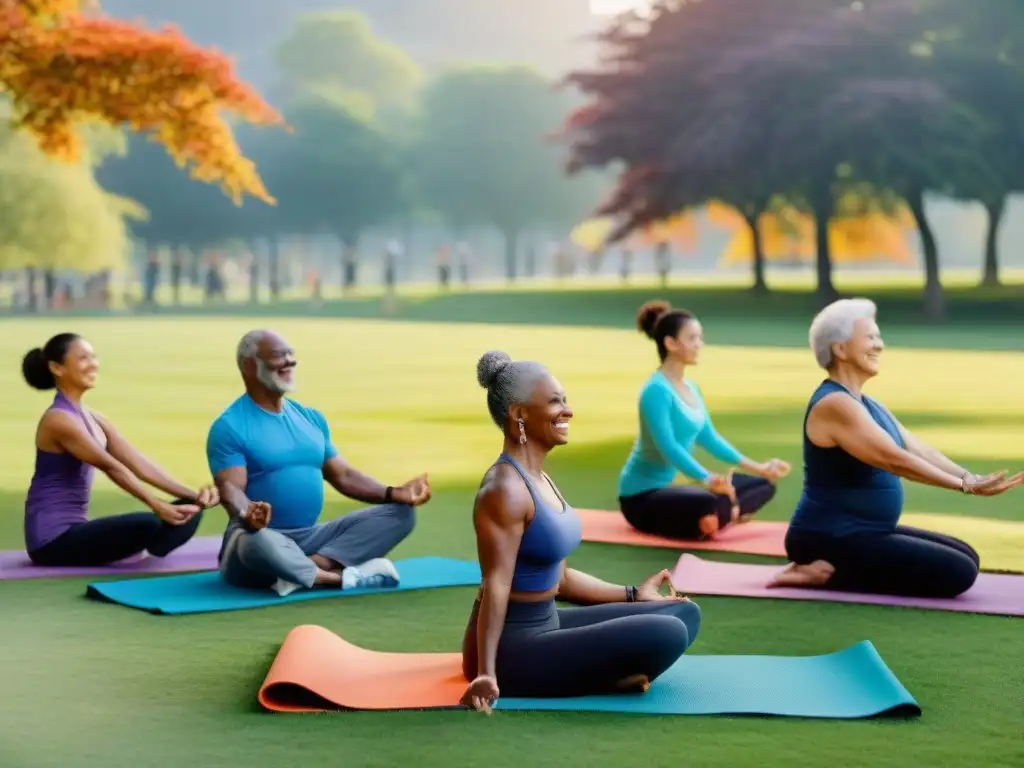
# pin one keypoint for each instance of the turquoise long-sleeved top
(669, 428)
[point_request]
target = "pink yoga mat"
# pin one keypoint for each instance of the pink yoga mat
(993, 593)
(200, 554)
(754, 538)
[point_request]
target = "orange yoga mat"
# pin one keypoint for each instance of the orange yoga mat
(317, 671)
(753, 538)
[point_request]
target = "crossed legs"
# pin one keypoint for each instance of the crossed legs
(318, 555)
(617, 647)
(689, 512)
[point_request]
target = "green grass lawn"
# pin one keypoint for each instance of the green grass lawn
(92, 684)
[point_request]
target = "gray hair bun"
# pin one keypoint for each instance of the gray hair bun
(490, 365)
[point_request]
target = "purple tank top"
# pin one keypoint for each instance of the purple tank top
(58, 496)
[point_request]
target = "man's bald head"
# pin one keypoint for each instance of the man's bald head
(266, 359)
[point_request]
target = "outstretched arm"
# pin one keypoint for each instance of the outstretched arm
(922, 450)
(71, 435)
(656, 405)
(839, 420)
(143, 468)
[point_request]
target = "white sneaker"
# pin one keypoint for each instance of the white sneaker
(285, 588)
(377, 573)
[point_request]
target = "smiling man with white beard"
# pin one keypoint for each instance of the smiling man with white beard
(269, 456)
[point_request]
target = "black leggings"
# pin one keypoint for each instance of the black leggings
(675, 512)
(549, 652)
(908, 562)
(106, 540)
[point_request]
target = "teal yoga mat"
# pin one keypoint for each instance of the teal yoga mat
(207, 592)
(315, 670)
(852, 683)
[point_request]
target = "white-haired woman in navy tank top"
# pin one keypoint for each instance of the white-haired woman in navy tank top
(623, 639)
(845, 532)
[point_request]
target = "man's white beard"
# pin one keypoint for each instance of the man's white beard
(272, 380)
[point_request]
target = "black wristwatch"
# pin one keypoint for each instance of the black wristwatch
(387, 494)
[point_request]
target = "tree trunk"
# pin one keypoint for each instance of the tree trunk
(760, 283)
(254, 274)
(49, 287)
(511, 253)
(32, 305)
(995, 211)
(934, 297)
(531, 260)
(823, 255)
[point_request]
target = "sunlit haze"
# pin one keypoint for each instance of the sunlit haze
(611, 7)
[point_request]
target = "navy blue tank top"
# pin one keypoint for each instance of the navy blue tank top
(549, 538)
(842, 495)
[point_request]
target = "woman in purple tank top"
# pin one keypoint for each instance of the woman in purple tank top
(621, 639)
(72, 442)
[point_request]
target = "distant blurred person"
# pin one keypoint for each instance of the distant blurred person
(674, 416)
(270, 457)
(392, 253)
(72, 441)
(845, 533)
(444, 266)
(350, 268)
(663, 262)
(626, 264)
(463, 257)
(151, 279)
(177, 272)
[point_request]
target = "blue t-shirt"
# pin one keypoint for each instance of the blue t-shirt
(669, 427)
(283, 453)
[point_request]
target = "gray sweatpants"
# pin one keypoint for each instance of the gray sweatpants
(257, 560)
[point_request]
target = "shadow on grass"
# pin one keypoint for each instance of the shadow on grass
(976, 319)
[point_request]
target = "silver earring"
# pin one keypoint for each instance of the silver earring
(522, 433)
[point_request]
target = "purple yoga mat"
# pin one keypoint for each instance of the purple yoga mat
(993, 593)
(200, 554)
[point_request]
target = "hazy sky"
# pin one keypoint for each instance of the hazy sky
(615, 6)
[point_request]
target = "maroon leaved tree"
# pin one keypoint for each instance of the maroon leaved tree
(742, 101)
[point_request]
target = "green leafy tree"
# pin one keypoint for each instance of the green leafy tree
(54, 215)
(336, 53)
(485, 153)
(337, 172)
(977, 51)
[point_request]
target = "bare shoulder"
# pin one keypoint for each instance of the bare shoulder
(503, 496)
(836, 407)
(58, 422)
(834, 413)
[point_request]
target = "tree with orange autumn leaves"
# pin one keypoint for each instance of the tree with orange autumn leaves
(62, 63)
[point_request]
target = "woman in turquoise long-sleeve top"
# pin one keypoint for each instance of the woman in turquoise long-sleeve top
(673, 418)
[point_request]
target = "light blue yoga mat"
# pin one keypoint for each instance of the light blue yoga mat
(852, 683)
(207, 592)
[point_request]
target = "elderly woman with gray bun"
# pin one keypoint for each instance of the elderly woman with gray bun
(845, 533)
(623, 639)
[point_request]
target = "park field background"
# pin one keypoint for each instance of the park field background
(93, 684)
